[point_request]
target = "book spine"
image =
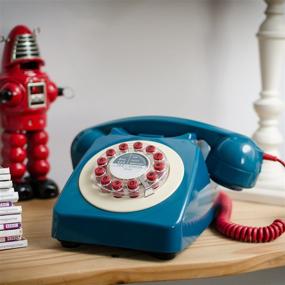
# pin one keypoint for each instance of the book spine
(10, 210)
(4, 170)
(8, 219)
(5, 204)
(5, 177)
(10, 238)
(7, 233)
(9, 197)
(6, 184)
(7, 190)
(13, 244)
(10, 226)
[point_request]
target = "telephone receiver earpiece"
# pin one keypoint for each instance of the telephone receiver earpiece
(235, 162)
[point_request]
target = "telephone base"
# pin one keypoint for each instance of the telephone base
(165, 222)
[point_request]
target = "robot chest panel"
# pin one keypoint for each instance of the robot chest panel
(36, 92)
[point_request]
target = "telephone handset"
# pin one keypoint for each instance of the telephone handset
(234, 160)
(145, 183)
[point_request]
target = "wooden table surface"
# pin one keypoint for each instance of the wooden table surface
(46, 262)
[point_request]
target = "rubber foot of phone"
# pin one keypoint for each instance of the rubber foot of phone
(163, 255)
(24, 190)
(69, 244)
(44, 189)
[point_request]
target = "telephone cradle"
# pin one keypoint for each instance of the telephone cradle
(149, 183)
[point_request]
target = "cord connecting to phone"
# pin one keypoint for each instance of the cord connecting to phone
(267, 156)
(246, 233)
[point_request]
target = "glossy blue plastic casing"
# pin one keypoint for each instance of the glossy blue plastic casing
(171, 225)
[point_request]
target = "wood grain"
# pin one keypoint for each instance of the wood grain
(46, 262)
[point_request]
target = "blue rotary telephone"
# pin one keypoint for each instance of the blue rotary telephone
(144, 183)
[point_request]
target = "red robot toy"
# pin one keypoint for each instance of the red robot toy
(26, 93)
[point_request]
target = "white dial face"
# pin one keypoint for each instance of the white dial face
(129, 165)
(131, 176)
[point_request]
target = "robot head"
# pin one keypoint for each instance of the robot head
(21, 48)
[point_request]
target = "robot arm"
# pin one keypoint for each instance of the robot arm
(60, 91)
(54, 91)
(11, 94)
(5, 96)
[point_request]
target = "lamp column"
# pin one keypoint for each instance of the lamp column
(271, 38)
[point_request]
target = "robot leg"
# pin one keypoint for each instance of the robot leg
(14, 156)
(38, 165)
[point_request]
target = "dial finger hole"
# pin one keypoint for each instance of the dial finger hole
(151, 176)
(133, 188)
(159, 166)
(150, 149)
(138, 146)
(99, 172)
(106, 184)
(123, 147)
(118, 191)
(102, 161)
(110, 152)
(158, 156)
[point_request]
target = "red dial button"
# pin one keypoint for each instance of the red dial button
(133, 187)
(133, 184)
(117, 185)
(110, 152)
(123, 147)
(159, 166)
(102, 161)
(99, 171)
(158, 156)
(138, 145)
(151, 176)
(105, 180)
(150, 149)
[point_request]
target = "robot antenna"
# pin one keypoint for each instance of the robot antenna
(4, 39)
(36, 31)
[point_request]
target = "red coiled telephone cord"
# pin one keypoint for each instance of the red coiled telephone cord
(246, 233)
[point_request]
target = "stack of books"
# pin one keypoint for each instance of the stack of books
(11, 232)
